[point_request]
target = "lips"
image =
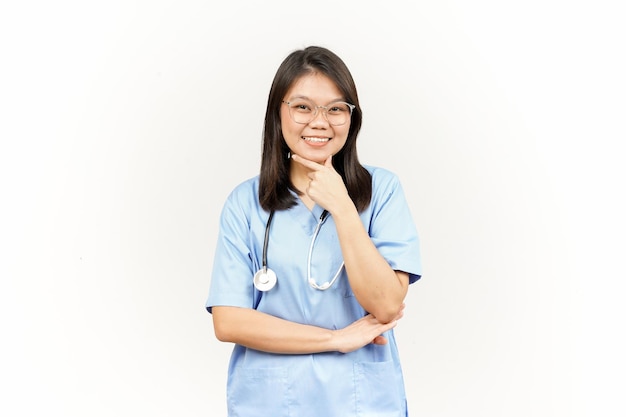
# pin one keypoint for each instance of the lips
(315, 140)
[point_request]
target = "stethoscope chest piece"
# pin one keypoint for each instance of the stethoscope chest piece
(264, 279)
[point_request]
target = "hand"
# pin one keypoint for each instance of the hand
(326, 187)
(364, 331)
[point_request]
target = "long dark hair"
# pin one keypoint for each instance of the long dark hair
(274, 182)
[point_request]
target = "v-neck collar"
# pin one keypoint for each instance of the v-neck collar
(306, 218)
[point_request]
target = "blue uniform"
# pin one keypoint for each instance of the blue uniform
(366, 382)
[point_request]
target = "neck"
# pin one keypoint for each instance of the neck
(299, 175)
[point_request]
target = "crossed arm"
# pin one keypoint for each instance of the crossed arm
(261, 331)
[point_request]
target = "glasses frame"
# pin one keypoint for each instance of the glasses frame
(325, 111)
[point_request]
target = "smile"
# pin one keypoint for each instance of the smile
(315, 140)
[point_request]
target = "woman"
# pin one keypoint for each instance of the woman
(311, 296)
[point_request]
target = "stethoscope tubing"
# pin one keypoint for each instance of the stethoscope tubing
(267, 239)
(265, 278)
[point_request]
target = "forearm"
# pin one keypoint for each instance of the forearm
(377, 287)
(260, 331)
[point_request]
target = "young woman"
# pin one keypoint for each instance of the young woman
(314, 259)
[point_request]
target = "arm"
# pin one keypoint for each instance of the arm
(377, 287)
(260, 331)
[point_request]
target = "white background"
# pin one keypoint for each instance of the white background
(124, 124)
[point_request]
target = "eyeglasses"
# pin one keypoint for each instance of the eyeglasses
(305, 111)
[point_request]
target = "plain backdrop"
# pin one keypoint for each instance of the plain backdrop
(125, 124)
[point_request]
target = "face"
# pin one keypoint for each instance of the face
(318, 139)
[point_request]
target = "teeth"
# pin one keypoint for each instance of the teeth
(317, 140)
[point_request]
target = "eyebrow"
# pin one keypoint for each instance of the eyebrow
(310, 99)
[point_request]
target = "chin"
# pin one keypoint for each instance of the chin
(316, 158)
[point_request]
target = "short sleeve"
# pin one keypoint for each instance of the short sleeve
(231, 278)
(392, 228)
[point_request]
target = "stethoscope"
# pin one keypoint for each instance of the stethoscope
(265, 278)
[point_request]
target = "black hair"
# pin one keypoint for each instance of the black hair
(274, 182)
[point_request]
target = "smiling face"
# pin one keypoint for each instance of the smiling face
(318, 139)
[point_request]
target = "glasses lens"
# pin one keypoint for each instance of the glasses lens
(301, 111)
(338, 113)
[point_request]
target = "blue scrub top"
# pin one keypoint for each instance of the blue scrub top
(366, 382)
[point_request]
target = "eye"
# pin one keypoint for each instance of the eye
(301, 106)
(338, 108)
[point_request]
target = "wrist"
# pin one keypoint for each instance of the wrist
(344, 210)
(333, 341)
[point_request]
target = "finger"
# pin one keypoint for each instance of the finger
(307, 163)
(380, 340)
(382, 328)
(400, 311)
(329, 161)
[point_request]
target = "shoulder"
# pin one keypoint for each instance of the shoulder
(244, 197)
(245, 190)
(386, 186)
(382, 177)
